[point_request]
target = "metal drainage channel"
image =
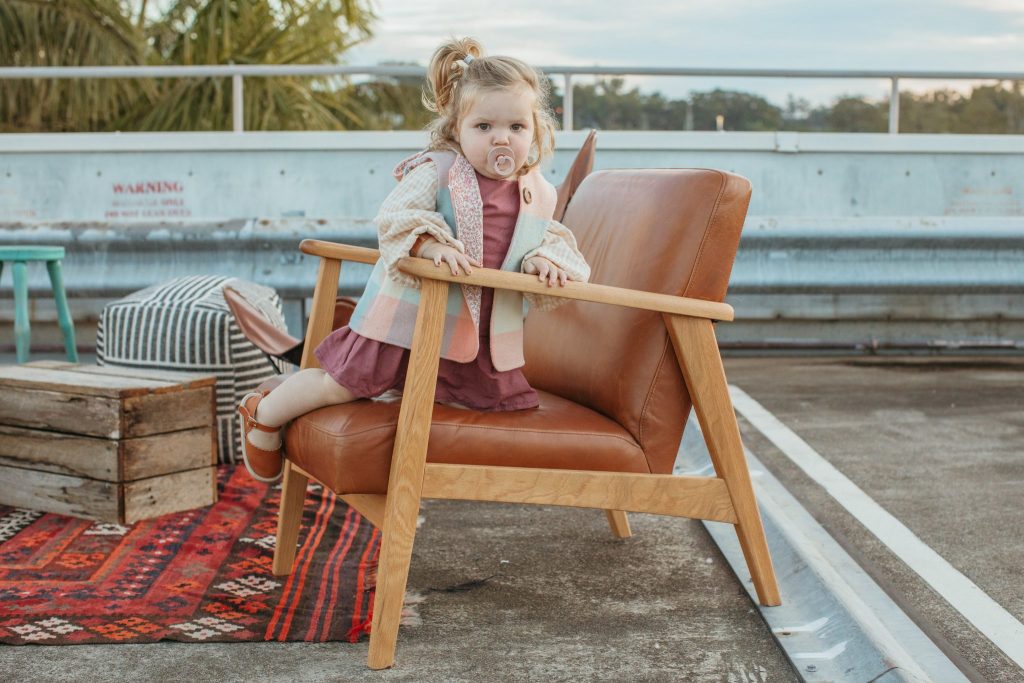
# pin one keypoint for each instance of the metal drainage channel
(835, 623)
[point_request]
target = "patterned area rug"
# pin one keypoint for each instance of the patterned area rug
(198, 576)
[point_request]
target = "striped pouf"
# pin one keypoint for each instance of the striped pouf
(186, 326)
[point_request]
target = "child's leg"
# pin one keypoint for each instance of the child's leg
(304, 391)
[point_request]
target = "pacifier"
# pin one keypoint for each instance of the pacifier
(502, 161)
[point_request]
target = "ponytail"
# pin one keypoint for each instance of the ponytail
(447, 67)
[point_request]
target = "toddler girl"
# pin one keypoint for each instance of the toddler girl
(475, 197)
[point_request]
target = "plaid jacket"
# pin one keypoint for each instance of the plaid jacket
(387, 310)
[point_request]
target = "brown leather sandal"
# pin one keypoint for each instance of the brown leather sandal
(263, 465)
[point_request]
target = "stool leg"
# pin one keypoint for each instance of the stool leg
(67, 326)
(22, 333)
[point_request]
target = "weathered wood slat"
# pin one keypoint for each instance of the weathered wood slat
(106, 501)
(106, 459)
(79, 383)
(102, 416)
(59, 411)
(70, 454)
(176, 380)
(189, 380)
(60, 493)
(159, 413)
(162, 495)
(150, 456)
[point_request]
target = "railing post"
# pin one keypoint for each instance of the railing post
(237, 104)
(567, 103)
(894, 107)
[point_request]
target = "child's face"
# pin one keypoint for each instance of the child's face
(497, 118)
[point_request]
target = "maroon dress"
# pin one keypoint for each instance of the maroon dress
(368, 367)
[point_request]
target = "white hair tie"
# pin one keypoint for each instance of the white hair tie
(463, 63)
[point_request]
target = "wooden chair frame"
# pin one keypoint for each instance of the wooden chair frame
(727, 497)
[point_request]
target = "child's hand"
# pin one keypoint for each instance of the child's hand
(437, 252)
(545, 270)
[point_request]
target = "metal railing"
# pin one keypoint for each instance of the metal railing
(238, 72)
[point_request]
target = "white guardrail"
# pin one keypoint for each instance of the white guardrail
(237, 73)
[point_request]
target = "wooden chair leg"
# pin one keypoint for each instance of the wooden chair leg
(293, 496)
(619, 523)
(697, 351)
(405, 483)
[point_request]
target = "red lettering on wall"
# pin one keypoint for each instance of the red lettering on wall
(149, 187)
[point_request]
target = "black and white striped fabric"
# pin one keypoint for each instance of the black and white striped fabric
(186, 326)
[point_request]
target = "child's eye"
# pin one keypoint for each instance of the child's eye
(518, 127)
(483, 126)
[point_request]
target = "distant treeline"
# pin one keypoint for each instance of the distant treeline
(608, 105)
(987, 109)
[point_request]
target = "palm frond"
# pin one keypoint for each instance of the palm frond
(85, 33)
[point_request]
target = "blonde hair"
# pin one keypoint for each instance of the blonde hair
(452, 83)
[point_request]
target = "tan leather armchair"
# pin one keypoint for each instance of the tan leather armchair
(617, 371)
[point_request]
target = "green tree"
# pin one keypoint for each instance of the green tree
(933, 112)
(187, 32)
(992, 109)
(740, 110)
(854, 114)
(253, 32)
(607, 104)
(82, 33)
(391, 102)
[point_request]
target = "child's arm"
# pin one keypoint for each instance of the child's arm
(558, 247)
(408, 213)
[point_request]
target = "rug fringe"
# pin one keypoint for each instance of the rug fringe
(410, 616)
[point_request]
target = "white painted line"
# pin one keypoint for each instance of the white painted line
(988, 616)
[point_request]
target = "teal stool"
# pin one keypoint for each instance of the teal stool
(20, 256)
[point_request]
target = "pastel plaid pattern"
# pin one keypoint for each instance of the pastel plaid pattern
(438, 195)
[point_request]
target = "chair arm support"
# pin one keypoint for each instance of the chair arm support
(341, 252)
(585, 291)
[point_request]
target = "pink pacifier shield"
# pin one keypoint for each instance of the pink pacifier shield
(502, 161)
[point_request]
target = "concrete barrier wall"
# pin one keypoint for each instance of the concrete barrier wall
(851, 240)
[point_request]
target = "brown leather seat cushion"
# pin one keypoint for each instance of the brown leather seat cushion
(349, 446)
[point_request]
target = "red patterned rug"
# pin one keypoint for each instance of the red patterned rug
(198, 576)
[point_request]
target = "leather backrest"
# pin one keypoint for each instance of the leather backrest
(673, 231)
(580, 169)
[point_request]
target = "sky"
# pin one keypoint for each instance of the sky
(933, 35)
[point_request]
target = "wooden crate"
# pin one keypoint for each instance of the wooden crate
(114, 444)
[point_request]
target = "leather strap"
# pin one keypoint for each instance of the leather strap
(250, 420)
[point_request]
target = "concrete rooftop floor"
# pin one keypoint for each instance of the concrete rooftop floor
(936, 441)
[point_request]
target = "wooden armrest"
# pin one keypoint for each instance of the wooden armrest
(325, 294)
(342, 252)
(585, 291)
